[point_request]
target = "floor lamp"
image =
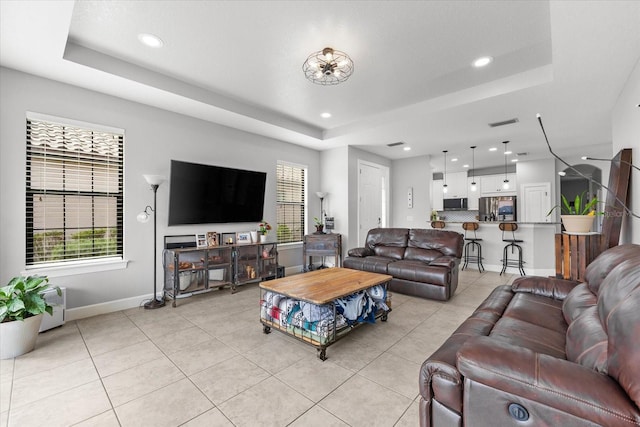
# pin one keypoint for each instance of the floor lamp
(154, 181)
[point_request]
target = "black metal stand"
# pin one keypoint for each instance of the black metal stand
(155, 302)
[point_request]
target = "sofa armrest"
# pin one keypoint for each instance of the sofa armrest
(360, 252)
(548, 381)
(544, 286)
(439, 377)
(446, 261)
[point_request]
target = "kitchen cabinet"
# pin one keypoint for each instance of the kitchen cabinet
(457, 185)
(436, 195)
(473, 196)
(491, 185)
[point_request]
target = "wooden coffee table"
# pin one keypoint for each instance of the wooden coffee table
(322, 288)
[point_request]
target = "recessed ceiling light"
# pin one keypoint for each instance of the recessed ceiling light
(465, 166)
(492, 149)
(455, 159)
(325, 115)
(407, 148)
(150, 40)
(482, 61)
(506, 153)
(514, 160)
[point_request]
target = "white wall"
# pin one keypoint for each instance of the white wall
(354, 155)
(152, 138)
(334, 178)
(415, 173)
(626, 134)
(535, 172)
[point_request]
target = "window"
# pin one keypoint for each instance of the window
(291, 202)
(74, 192)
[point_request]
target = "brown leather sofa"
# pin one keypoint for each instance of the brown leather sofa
(422, 262)
(544, 352)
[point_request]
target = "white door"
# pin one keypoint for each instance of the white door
(372, 197)
(536, 203)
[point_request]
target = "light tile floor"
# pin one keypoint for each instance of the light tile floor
(208, 363)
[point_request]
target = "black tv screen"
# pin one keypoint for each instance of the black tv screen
(203, 194)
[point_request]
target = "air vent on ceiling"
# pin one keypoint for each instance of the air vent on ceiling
(522, 154)
(506, 122)
(395, 144)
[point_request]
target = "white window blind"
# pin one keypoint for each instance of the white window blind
(74, 193)
(291, 202)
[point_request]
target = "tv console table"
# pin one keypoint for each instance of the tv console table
(203, 269)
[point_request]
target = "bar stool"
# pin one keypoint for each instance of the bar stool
(437, 224)
(472, 245)
(513, 244)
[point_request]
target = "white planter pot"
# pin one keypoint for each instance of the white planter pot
(19, 337)
(577, 223)
(263, 238)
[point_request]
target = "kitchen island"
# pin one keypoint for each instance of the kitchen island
(538, 246)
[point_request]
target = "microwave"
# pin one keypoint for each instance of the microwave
(460, 204)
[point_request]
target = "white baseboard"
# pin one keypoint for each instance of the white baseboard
(78, 313)
(105, 307)
(497, 268)
(133, 302)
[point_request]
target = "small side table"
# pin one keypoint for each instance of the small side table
(321, 245)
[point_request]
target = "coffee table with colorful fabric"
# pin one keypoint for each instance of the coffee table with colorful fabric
(322, 306)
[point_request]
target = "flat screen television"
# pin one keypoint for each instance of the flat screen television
(203, 194)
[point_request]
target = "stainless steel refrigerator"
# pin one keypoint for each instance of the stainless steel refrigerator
(501, 208)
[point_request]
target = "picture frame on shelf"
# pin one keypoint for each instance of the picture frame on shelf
(228, 238)
(201, 240)
(212, 238)
(243, 238)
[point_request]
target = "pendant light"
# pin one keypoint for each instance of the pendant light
(474, 187)
(505, 184)
(444, 186)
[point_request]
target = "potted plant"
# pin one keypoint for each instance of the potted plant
(263, 229)
(577, 218)
(22, 306)
(319, 226)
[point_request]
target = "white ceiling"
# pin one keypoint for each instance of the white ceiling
(239, 63)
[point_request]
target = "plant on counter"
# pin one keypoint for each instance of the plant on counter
(264, 227)
(579, 207)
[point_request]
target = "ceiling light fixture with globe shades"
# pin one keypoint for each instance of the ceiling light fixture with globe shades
(474, 186)
(328, 67)
(505, 184)
(444, 176)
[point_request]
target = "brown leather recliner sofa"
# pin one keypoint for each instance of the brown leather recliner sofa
(544, 352)
(423, 262)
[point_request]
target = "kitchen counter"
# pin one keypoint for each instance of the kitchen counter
(538, 246)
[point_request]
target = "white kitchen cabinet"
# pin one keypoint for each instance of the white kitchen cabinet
(473, 196)
(491, 185)
(457, 185)
(436, 194)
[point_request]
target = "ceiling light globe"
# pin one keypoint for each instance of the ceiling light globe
(505, 184)
(445, 189)
(474, 186)
(143, 217)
